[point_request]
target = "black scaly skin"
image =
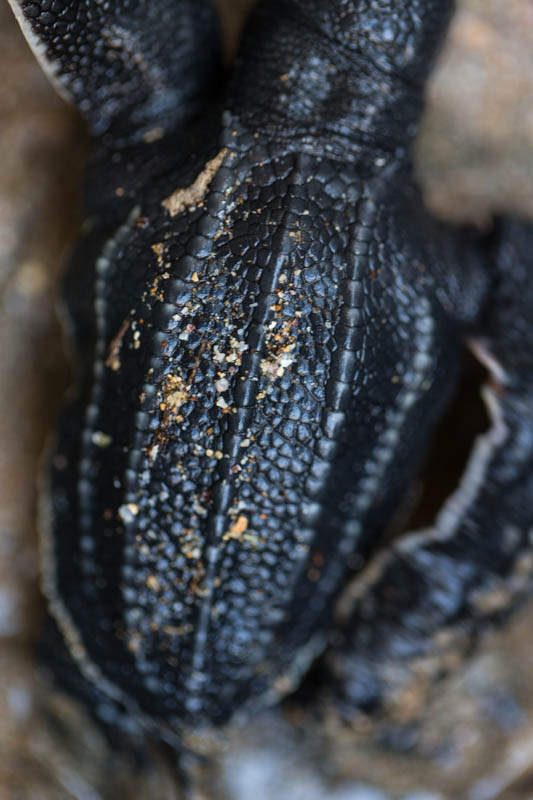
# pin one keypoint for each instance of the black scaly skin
(262, 359)
(430, 596)
(134, 68)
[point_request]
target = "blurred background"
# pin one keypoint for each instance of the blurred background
(475, 159)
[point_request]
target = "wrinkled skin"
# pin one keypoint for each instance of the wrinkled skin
(267, 326)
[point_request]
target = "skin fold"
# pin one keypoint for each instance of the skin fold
(267, 326)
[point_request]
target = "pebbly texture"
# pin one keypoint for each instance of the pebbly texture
(235, 334)
(131, 66)
(209, 262)
(237, 506)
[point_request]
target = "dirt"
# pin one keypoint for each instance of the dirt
(476, 148)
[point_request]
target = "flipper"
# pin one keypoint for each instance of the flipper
(134, 68)
(419, 606)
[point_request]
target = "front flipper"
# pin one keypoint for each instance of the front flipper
(133, 67)
(419, 606)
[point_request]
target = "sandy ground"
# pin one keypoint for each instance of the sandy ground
(475, 159)
(475, 153)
